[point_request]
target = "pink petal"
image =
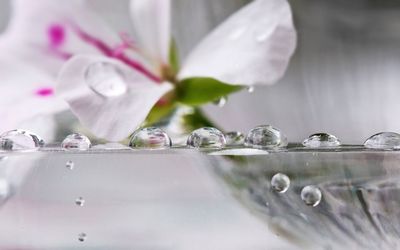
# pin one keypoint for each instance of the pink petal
(113, 103)
(152, 21)
(253, 46)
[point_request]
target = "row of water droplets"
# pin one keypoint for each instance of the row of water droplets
(261, 137)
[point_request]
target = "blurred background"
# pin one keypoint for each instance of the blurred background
(343, 78)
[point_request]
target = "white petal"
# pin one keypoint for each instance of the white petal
(19, 101)
(152, 23)
(111, 115)
(27, 35)
(253, 46)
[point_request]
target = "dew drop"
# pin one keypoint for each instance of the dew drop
(234, 138)
(265, 136)
(311, 195)
(221, 102)
(82, 237)
(250, 89)
(80, 202)
(384, 140)
(321, 140)
(70, 165)
(280, 183)
(105, 79)
(76, 142)
(150, 138)
(19, 139)
(207, 138)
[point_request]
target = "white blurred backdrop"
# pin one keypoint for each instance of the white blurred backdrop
(343, 78)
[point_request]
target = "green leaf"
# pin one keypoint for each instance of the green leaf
(174, 56)
(198, 91)
(157, 113)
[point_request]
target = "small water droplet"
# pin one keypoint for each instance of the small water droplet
(311, 195)
(82, 237)
(221, 102)
(70, 165)
(321, 140)
(250, 89)
(234, 138)
(5, 190)
(265, 136)
(19, 139)
(105, 79)
(280, 183)
(209, 138)
(384, 140)
(76, 142)
(80, 202)
(150, 138)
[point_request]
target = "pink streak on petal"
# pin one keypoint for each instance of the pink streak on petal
(108, 51)
(56, 34)
(44, 92)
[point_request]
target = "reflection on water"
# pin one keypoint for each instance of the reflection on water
(354, 196)
(182, 199)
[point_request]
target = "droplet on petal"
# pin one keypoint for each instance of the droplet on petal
(76, 142)
(106, 80)
(20, 140)
(234, 138)
(207, 138)
(150, 138)
(280, 182)
(221, 102)
(384, 140)
(311, 195)
(265, 136)
(321, 140)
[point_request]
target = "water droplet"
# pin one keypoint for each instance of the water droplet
(80, 202)
(150, 138)
(5, 190)
(70, 165)
(210, 138)
(82, 237)
(280, 182)
(311, 195)
(321, 140)
(265, 136)
(20, 140)
(384, 140)
(76, 142)
(250, 89)
(221, 102)
(105, 79)
(234, 138)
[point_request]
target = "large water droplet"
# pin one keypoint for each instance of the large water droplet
(82, 237)
(234, 138)
(280, 182)
(80, 202)
(221, 102)
(321, 140)
(70, 165)
(20, 140)
(5, 190)
(76, 142)
(150, 138)
(384, 140)
(208, 138)
(105, 79)
(311, 195)
(265, 136)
